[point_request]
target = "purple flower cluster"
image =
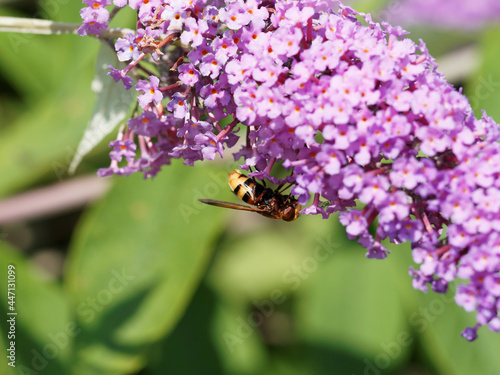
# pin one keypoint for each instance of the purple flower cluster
(354, 110)
(455, 14)
(95, 17)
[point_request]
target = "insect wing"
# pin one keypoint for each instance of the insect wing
(234, 206)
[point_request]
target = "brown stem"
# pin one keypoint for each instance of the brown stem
(170, 87)
(427, 223)
(442, 250)
(227, 129)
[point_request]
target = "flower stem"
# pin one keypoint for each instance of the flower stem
(45, 27)
(227, 129)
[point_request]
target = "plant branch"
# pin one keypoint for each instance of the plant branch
(45, 27)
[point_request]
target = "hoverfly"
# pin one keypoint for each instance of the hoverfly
(268, 202)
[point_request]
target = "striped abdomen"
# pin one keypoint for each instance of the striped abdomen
(244, 187)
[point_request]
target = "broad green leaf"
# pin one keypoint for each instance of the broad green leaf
(136, 261)
(36, 64)
(239, 345)
(439, 322)
(43, 328)
(259, 254)
(112, 105)
(192, 338)
(52, 74)
(42, 141)
(214, 333)
(351, 316)
(483, 89)
(259, 269)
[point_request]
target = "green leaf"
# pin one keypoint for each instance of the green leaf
(136, 262)
(112, 105)
(43, 138)
(483, 89)
(351, 316)
(439, 322)
(52, 75)
(36, 64)
(258, 253)
(43, 328)
(42, 141)
(260, 268)
(191, 338)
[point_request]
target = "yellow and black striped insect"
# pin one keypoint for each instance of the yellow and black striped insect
(268, 202)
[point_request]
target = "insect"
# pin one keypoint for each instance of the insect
(268, 202)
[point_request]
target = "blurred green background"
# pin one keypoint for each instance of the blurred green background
(134, 276)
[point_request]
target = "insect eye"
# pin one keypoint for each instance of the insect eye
(289, 214)
(292, 212)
